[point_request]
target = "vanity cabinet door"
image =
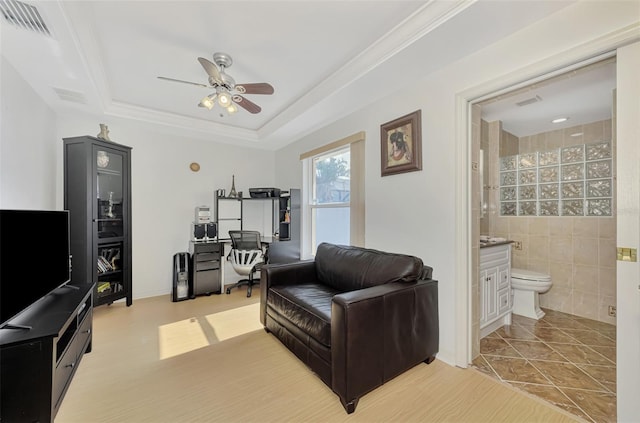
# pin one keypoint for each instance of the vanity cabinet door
(496, 300)
(491, 288)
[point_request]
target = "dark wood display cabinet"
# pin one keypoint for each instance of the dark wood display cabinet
(97, 193)
(39, 359)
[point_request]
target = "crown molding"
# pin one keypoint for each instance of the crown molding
(197, 127)
(420, 23)
(295, 119)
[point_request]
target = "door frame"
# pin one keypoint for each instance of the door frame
(589, 52)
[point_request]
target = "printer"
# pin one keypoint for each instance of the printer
(264, 192)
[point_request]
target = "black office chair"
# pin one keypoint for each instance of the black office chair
(246, 256)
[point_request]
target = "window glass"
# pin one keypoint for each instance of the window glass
(331, 175)
(331, 225)
(330, 200)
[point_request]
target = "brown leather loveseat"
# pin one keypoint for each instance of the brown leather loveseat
(357, 317)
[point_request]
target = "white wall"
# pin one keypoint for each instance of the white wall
(27, 145)
(165, 191)
(415, 213)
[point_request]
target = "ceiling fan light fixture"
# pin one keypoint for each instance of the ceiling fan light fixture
(224, 99)
(207, 102)
(227, 94)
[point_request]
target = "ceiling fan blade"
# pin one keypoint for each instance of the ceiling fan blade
(257, 88)
(211, 70)
(249, 106)
(184, 82)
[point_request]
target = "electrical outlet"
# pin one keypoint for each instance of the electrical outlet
(517, 245)
(612, 311)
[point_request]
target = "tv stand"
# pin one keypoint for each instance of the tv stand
(71, 286)
(38, 364)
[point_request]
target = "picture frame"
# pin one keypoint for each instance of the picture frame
(401, 144)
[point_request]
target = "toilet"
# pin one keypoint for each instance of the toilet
(526, 285)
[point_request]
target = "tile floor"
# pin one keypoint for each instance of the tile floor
(567, 360)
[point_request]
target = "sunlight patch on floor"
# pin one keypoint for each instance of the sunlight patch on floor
(235, 322)
(181, 337)
(191, 334)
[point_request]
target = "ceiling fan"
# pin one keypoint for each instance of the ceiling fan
(227, 93)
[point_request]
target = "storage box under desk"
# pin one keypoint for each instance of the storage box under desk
(206, 273)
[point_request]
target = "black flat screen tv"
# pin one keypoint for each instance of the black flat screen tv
(34, 258)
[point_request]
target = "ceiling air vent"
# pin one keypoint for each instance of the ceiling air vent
(529, 101)
(68, 95)
(23, 15)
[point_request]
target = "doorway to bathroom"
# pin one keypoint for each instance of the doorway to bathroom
(546, 181)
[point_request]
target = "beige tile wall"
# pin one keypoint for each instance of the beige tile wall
(578, 252)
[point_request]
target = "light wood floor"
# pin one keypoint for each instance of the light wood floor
(159, 361)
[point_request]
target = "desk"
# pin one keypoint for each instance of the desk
(272, 215)
(286, 251)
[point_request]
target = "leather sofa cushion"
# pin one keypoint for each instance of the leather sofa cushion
(307, 306)
(348, 268)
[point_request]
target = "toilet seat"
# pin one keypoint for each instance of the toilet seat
(529, 275)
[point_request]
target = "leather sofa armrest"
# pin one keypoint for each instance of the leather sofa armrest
(288, 273)
(379, 332)
(283, 274)
(427, 272)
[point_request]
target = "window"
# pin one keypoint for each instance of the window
(333, 194)
(571, 181)
(329, 203)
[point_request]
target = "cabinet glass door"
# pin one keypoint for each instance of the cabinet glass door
(109, 190)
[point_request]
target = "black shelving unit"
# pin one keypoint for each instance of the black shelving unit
(97, 193)
(228, 219)
(285, 218)
(286, 248)
(235, 219)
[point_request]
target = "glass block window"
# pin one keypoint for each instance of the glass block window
(549, 208)
(528, 160)
(548, 174)
(508, 208)
(549, 192)
(568, 181)
(508, 178)
(527, 176)
(548, 158)
(528, 192)
(572, 154)
(508, 193)
(508, 163)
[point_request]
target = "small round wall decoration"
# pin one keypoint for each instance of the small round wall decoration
(194, 167)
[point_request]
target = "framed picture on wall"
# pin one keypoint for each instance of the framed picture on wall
(401, 144)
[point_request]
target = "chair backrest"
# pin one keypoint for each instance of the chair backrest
(245, 240)
(246, 251)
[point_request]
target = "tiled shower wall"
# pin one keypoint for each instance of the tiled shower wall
(578, 252)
